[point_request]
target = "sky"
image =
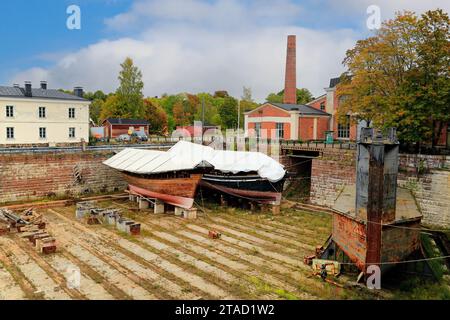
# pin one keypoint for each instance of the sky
(186, 45)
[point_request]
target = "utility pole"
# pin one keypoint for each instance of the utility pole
(203, 111)
(203, 115)
(239, 114)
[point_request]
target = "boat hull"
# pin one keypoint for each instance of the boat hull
(248, 187)
(175, 191)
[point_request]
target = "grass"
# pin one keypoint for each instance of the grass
(320, 226)
(429, 248)
(265, 288)
(416, 288)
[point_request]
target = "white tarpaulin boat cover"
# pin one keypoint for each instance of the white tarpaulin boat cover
(187, 156)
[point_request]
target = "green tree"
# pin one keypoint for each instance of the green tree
(95, 110)
(221, 94)
(228, 113)
(303, 96)
(246, 106)
(129, 94)
(110, 108)
(100, 95)
(274, 98)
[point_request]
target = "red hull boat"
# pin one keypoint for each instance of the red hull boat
(179, 192)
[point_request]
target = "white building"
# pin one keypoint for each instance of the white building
(35, 116)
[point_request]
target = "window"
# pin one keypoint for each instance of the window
(322, 106)
(71, 132)
(280, 130)
(42, 112)
(344, 129)
(9, 111)
(258, 129)
(42, 133)
(9, 133)
(71, 113)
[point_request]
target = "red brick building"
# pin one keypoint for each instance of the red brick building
(288, 120)
(329, 103)
(191, 129)
(114, 127)
(291, 121)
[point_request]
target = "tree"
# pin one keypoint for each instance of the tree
(228, 113)
(98, 98)
(433, 76)
(400, 77)
(184, 110)
(95, 110)
(274, 98)
(221, 94)
(156, 116)
(179, 114)
(129, 94)
(246, 106)
(211, 108)
(100, 95)
(303, 96)
(246, 94)
(110, 108)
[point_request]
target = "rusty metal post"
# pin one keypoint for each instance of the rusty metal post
(375, 204)
(376, 184)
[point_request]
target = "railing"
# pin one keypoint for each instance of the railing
(110, 147)
(167, 142)
(317, 144)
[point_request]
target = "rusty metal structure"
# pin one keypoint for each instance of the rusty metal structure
(374, 234)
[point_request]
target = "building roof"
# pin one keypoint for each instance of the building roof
(38, 93)
(334, 82)
(317, 99)
(127, 121)
(205, 125)
(304, 109)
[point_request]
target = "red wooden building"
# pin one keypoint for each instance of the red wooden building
(114, 127)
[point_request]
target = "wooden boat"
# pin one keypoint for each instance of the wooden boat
(173, 176)
(249, 186)
(177, 189)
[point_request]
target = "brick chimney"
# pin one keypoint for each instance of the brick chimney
(290, 85)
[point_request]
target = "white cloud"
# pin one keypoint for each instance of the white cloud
(388, 8)
(194, 46)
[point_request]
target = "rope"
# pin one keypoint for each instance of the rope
(299, 163)
(202, 209)
(409, 228)
(237, 195)
(397, 262)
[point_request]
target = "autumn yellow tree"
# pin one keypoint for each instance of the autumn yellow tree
(400, 76)
(156, 116)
